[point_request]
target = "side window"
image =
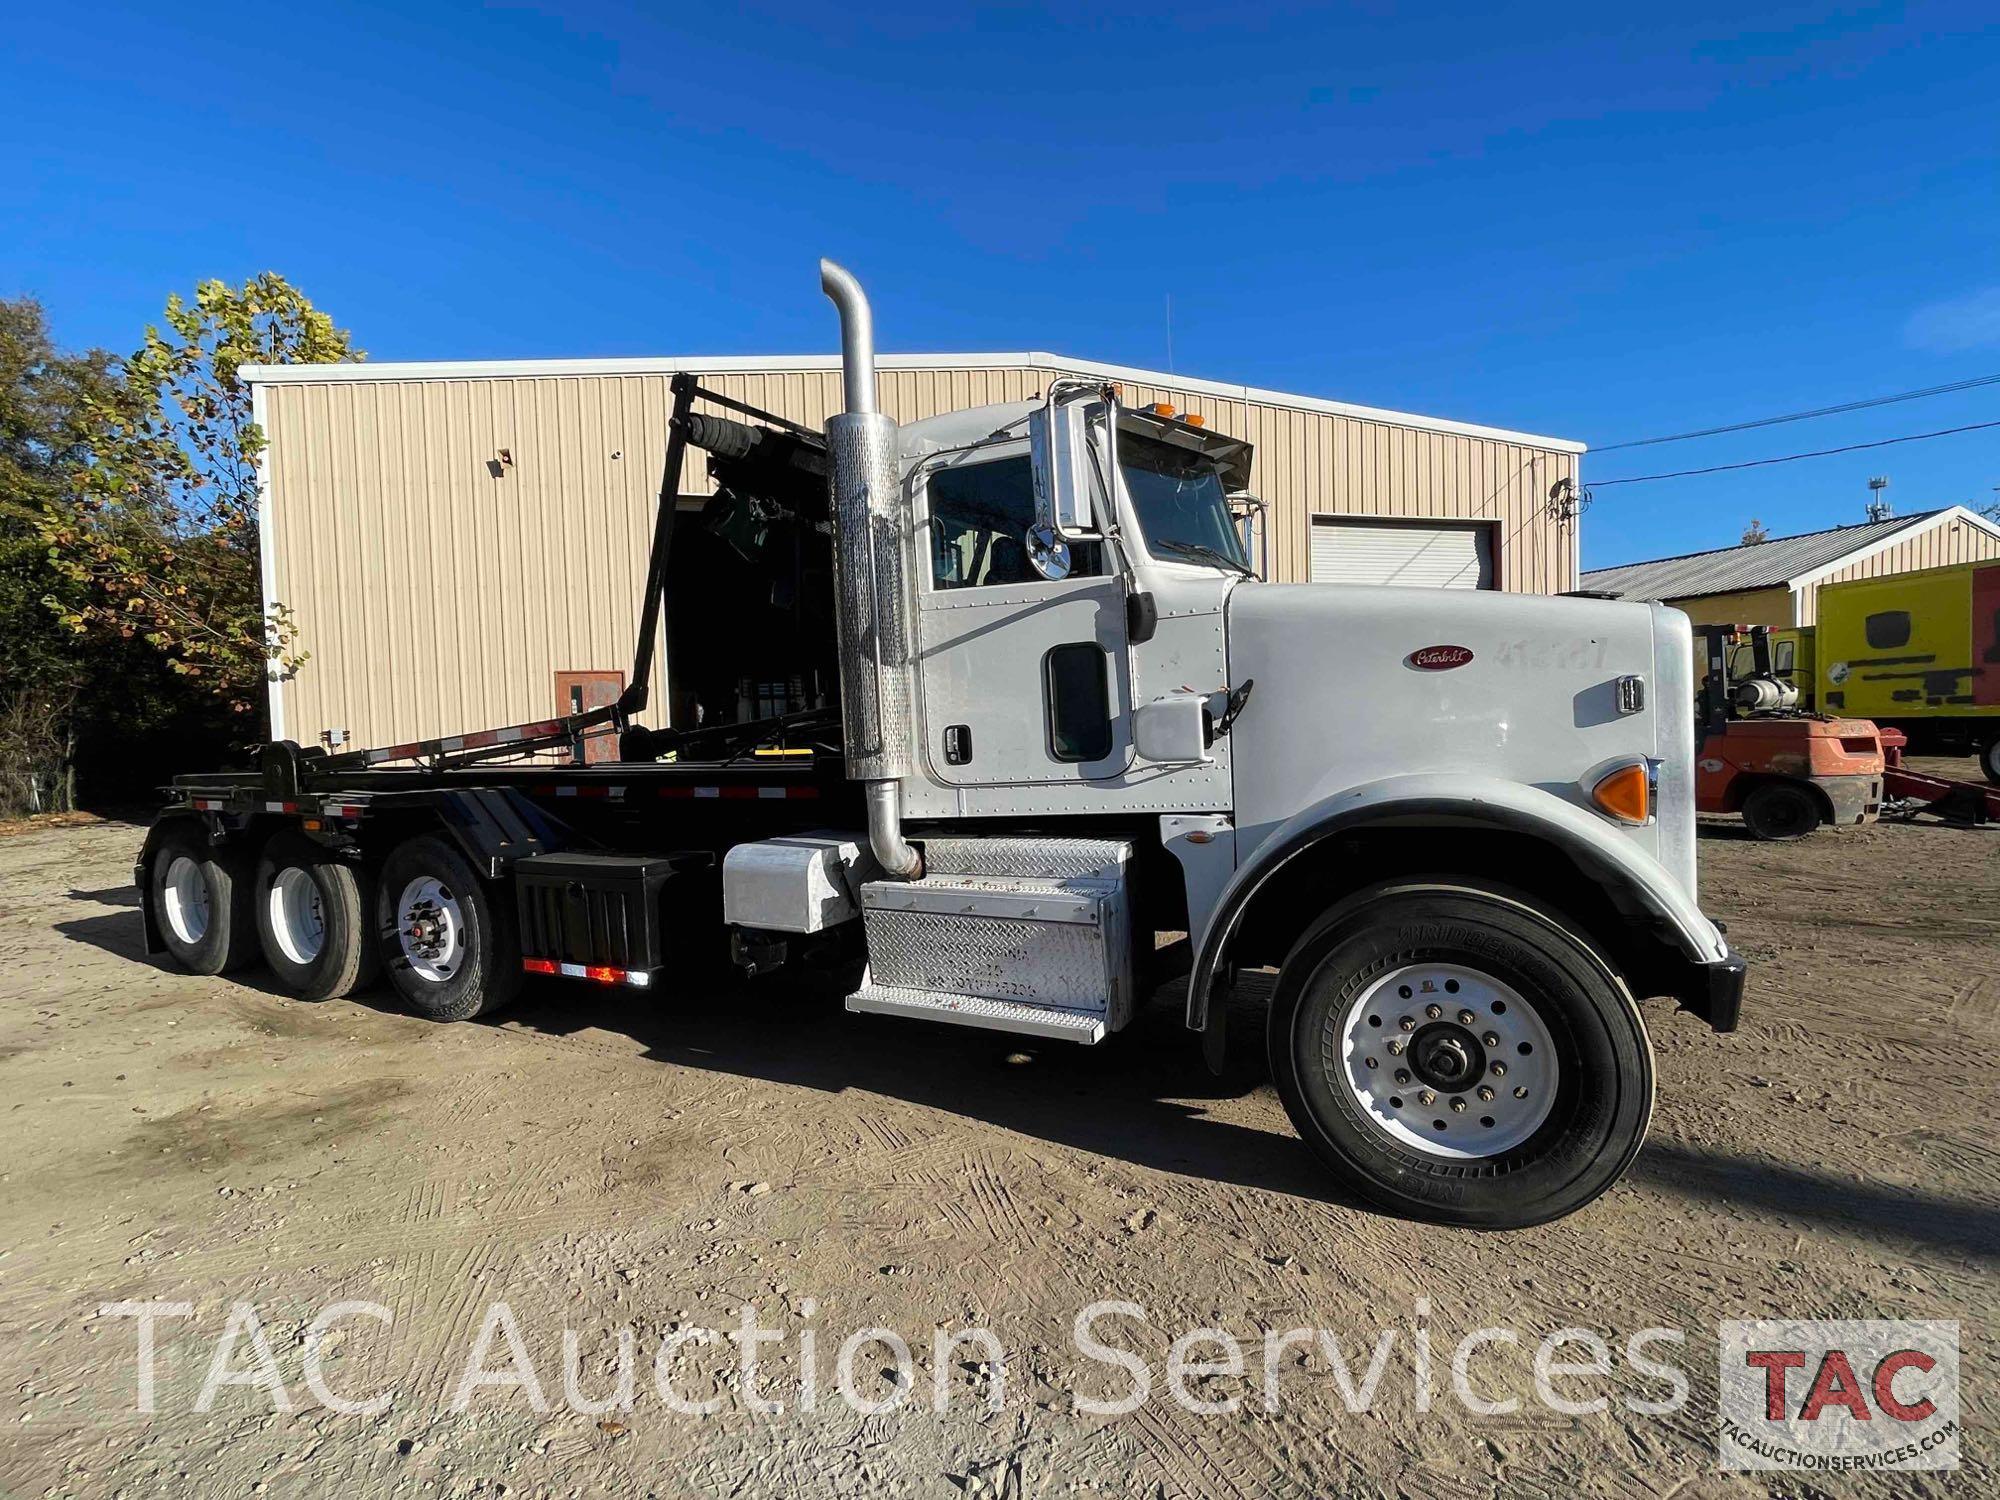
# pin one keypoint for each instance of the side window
(1783, 656)
(1079, 700)
(980, 515)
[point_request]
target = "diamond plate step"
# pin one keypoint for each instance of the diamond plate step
(1034, 858)
(1025, 898)
(974, 1010)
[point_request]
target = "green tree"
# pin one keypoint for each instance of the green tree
(159, 534)
(47, 441)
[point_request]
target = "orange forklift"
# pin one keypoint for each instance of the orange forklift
(1784, 770)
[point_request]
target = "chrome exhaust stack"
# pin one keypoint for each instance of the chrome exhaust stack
(874, 583)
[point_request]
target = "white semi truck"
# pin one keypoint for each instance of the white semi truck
(1049, 713)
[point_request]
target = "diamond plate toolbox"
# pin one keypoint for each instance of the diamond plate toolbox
(1037, 941)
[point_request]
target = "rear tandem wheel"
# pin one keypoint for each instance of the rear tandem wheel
(450, 948)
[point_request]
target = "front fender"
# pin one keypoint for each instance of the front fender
(1463, 800)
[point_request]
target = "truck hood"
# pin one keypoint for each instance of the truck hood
(1356, 683)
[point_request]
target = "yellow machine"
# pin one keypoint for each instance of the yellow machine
(1919, 652)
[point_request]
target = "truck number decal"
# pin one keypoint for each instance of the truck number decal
(1560, 656)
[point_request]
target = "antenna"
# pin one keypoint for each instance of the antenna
(1878, 508)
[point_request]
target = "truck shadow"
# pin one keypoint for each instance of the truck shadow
(120, 932)
(1139, 1097)
(1800, 1194)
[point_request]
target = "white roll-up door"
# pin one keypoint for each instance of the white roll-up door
(1418, 554)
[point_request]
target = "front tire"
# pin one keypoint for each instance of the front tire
(1522, 1114)
(449, 948)
(1989, 760)
(314, 912)
(202, 901)
(1780, 810)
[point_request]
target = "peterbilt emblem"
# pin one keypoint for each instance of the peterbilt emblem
(1439, 658)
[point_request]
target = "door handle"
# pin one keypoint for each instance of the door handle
(957, 744)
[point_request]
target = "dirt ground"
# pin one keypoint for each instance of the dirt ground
(601, 1162)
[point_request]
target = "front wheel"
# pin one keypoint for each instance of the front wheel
(1453, 1054)
(1780, 810)
(1989, 760)
(450, 950)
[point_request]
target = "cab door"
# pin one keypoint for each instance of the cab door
(1023, 679)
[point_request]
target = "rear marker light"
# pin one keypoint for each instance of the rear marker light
(600, 973)
(1626, 793)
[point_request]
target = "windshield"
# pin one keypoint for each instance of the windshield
(1179, 500)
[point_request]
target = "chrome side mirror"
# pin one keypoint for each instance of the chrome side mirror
(1059, 438)
(1048, 553)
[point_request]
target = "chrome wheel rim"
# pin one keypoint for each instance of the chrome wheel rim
(298, 921)
(1447, 1061)
(185, 897)
(431, 927)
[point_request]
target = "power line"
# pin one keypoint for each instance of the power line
(1800, 416)
(1758, 463)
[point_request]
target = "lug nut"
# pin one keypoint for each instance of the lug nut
(1459, 1105)
(1402, 1075)
(1492, 1039)
(1371, 1062)
(1520, 1093)
(1466, 1018)
(1433, 1011)
(1395, 1049)
(1485, 1094)
(1428, 1097)
(1499, 1070)
(1407, 1023)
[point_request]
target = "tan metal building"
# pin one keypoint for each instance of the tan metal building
(462, 545)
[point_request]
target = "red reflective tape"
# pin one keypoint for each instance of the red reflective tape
(595, 791)
(801, 791)
(539, 965)
(739, 791)
(404, 752)
(481, 741)
(537, 731)
(603, 975)
(543, 790)
(348, 810)
(677, 791)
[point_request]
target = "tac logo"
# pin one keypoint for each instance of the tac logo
(1839, 1396)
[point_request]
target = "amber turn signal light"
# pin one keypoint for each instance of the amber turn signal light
(1625, 794)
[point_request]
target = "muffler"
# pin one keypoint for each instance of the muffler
(874, 583)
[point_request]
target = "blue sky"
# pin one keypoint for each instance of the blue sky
(1594, 223)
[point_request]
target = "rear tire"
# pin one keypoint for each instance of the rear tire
(1780, 810)
(1989, 760)
(450, 949)
(1548, 1022)
(202, 899)
(314, 910)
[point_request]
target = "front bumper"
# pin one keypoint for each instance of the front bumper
(1714, 991)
